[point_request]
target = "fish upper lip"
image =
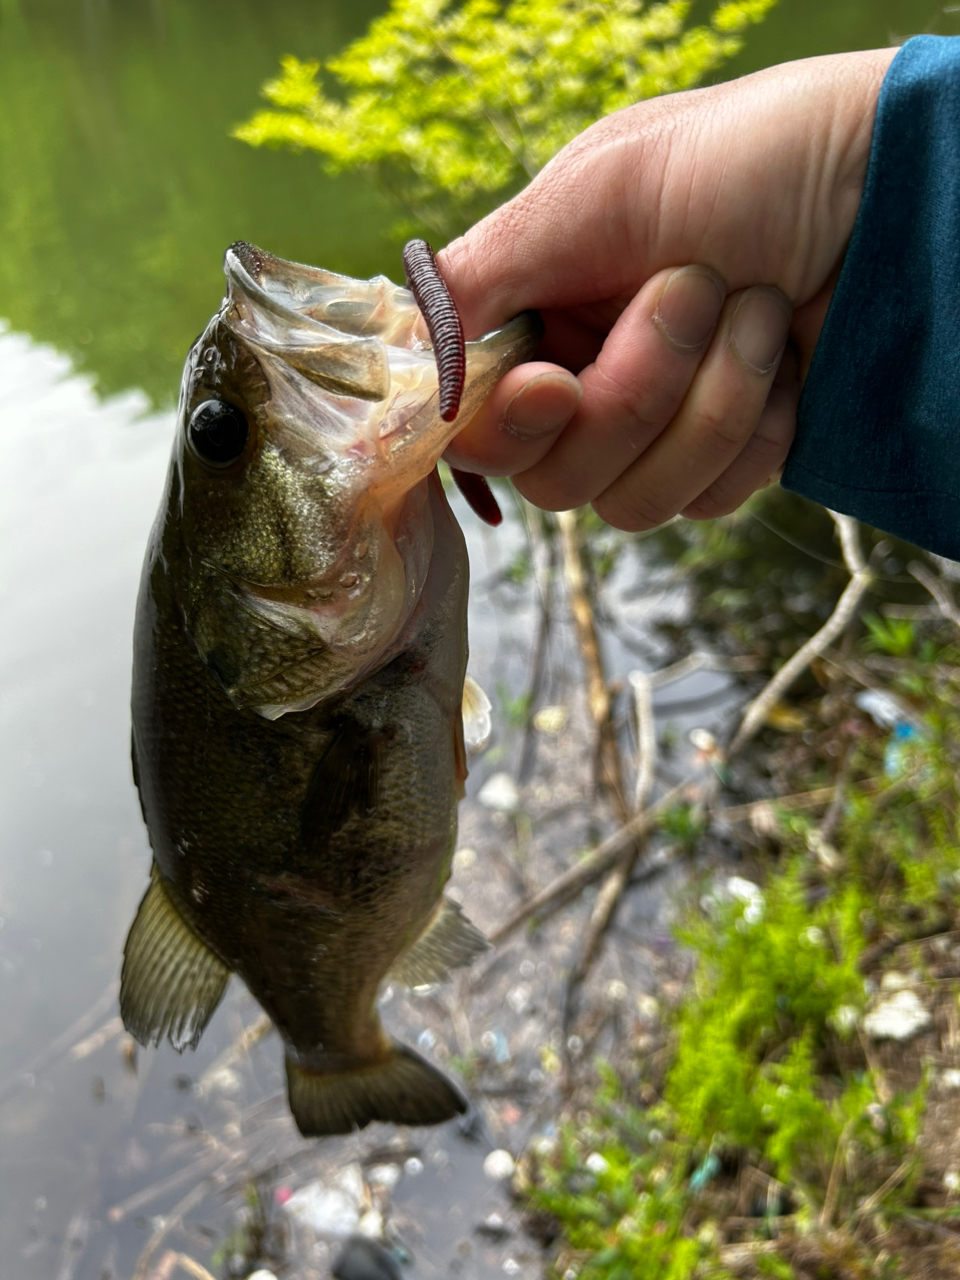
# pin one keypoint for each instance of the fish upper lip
(238, 275)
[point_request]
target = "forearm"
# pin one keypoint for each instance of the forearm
(879, 420)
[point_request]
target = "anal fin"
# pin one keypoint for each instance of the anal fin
(403, 1088)
(450, 941)
(171, 982)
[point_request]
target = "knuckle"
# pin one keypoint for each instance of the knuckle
(633, 512)
(712, 503)
(631, 410)
(550, 489)
(719, 431)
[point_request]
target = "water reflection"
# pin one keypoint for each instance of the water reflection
(121, 186)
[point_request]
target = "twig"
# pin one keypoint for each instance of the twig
(62, 1042)
(934, 1228)
(833, 1183)
(642, 685)
(575, 879)
(878, 1076)
(171, 1260)
(74, 1244)
(167, 1223)
(97, 1039)
(871, 1202)
(598, 695)
(860, 579)
(938, 589)
(173, 1219)
(831, 819)
(611, 772)
(240, 1048)
(545, 584)
(618, 878)
(200, 1168)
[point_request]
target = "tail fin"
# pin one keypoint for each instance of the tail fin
(402, 1089)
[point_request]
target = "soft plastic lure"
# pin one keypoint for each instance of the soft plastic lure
(446, 333)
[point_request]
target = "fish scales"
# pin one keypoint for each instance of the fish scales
(299, 663)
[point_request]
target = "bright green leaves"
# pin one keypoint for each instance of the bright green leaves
(451, 108)
(764, 986)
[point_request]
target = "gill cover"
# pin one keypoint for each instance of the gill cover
(309, 420)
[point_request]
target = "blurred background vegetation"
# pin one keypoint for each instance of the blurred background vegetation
(120, 183)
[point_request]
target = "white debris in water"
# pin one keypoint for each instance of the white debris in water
(648, 1007)
(736, 889)
(595, 1163)
(371, 1224)
(951, 1180)
(223, 1080)
(702, 740)
(950, 1078)
(551, 720)
(384, 1175)
(750, 894)
(519, 997)
(412, 1167)
(499, 1165)
(332, 1208)
(500, 792)
(896, 981)
(843, 1019)
(261, 1275)
(882, 708)
(898, 1017)
(464, 859)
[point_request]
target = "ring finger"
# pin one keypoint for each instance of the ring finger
(716, 419)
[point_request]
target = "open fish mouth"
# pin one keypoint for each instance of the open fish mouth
(332, 329)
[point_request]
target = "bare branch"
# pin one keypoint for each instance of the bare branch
(938, 589)
(575, 879)
(860, 579)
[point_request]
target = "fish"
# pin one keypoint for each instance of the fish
(299, 670)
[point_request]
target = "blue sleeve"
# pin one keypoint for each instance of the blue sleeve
(878, 428)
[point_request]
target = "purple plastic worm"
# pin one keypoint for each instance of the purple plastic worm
(443, 323)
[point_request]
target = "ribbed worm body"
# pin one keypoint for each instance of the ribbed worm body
(443, 323)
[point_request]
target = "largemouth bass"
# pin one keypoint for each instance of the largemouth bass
(299, 662)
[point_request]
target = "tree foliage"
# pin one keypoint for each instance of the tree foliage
(451, 108)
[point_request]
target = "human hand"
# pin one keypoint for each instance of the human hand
(682, 253)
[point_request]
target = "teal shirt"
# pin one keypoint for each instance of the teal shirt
(878, 427)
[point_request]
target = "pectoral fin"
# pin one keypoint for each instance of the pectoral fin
(403, 1089)
(477, 720)
(345, 781)
(448, 942)
(171, 981)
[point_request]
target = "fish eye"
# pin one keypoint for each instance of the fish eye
(217, 433)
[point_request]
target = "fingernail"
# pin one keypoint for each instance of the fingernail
(688, 307)
(542, 406)
(759, 327)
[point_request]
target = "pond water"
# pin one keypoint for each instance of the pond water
(120, 188)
